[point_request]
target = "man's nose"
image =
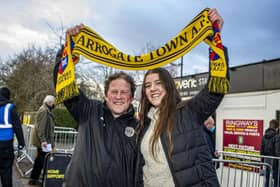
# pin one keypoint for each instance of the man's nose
(118, 95)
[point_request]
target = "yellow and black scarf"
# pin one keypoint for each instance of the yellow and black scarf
(92, 46)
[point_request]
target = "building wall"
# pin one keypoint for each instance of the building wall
(260, 105)
(254, 94)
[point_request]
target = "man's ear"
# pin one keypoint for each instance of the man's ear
(105, 98)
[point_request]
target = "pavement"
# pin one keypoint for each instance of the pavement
(21, 174)
(18, 180)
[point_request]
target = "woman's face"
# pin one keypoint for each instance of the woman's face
(154, 89)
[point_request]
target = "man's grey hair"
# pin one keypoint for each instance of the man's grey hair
(49, 98)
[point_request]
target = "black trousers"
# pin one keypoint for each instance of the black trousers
(38, 164)
(6, 178)
(6, 166)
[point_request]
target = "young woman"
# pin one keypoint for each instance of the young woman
(173, 149)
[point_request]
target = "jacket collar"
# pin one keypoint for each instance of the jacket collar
(4, 101)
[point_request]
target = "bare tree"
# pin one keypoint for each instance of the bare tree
(58, 35)
(29, 76)
(88, 84)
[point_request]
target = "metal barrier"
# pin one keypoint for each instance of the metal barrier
(30, 150)
(65, 141)
(248, 170)
(238, 177)
(235, 169)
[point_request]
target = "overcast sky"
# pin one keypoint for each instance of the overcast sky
(251, 30)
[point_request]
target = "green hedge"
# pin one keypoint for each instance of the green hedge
(63, 118)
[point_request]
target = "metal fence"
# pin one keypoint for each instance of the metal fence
(233, 169)
(65, 141)
(246, 170)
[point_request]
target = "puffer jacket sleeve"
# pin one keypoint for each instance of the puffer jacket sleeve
(205, 102)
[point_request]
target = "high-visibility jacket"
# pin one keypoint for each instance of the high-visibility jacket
(6, 127)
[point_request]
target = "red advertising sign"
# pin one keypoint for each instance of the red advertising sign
(242, 136)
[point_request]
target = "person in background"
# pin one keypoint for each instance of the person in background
(42, 137)
(270, 146)
(9, 125)
(209, 129)
(172, 146)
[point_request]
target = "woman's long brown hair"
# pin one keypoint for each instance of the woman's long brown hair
(167, 110)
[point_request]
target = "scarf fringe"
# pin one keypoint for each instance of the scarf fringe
(67, 92)
(218, 85)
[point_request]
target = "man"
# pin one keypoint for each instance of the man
(42, 137)
(9, 124)
(209, 129)
(270, 146)
(105, 152)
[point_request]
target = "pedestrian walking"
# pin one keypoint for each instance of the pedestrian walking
(42, 137)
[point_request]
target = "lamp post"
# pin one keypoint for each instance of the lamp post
(182, 61)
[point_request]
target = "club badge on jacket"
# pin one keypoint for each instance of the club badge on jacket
(129, 131)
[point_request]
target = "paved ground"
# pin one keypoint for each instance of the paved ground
(19, 181)
(19, 178)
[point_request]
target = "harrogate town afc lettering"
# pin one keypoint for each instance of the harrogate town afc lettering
(97, 46)
(63, 77)
(217, 66)
(103, 49)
